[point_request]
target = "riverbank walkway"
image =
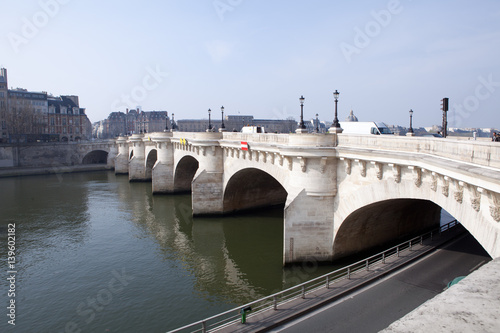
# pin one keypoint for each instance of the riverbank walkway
(277, 312)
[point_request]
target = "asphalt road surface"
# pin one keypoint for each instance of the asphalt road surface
(376, 306)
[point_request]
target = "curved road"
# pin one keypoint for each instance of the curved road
(376, 306)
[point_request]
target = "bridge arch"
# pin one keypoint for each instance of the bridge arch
(384, 223)
(362, 197)
(150, 163)
(252, 188)
(185, 171)
(96, 157)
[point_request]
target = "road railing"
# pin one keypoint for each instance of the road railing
(301, 290)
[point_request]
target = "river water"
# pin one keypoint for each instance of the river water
(95, 253)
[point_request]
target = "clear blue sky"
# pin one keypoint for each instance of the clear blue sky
(258, 57)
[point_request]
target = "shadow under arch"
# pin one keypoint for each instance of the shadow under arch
(252, 188)
(184, 174)
(384, 223)
(150, 163)
(96, 157)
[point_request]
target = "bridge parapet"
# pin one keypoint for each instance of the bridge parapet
(264, 137)
(477, 152)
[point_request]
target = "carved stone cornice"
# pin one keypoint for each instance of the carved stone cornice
(270, 157)
(348, 165)
(263, 157)
(379, 169)
(458, 191)
(445, 185)
(434, 182)
(396, 169)
(362, 167)
(303, 163)
(475, 197)
(417, 175)
(494, 199)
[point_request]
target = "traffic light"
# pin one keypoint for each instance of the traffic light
(444, 104)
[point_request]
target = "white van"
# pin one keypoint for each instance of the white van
(253, 129)
(365, 127)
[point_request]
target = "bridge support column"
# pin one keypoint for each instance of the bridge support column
(136, 166)
(207, 193)
(308, 231)
(121, 160)
(207, 186)
(163, 170)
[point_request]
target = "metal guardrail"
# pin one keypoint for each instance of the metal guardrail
(273, 301)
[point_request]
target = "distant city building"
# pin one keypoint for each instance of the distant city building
(234, 123)
(4, 93)
(27, 116)
(67, 120)
(131, 122)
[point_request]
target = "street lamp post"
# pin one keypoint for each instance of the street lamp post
(336, 125)
(410, 130)
(209, 121)
(336, 119)
(302, 126)
(222, 111)
(317, 123)
(174, 126)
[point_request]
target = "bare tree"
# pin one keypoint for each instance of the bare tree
(22, 119)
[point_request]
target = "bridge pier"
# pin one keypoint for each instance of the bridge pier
(121, 160)
(207, 193)
(309, 211)
(207, 185)
(136, 166)
(163, 170)
(308, 230)
(113, 152)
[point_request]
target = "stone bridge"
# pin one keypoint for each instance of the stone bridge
(342, 193)
(58, 154)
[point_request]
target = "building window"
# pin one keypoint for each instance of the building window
(64, 121)
(52, 121)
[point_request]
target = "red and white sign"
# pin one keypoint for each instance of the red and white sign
(244, 145)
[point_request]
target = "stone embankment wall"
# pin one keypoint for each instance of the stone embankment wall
(57, 155)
